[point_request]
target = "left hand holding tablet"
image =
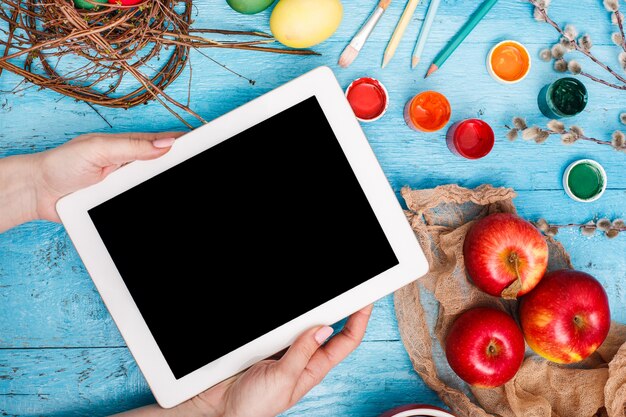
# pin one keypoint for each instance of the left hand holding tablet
(87, 160)
(32, 184)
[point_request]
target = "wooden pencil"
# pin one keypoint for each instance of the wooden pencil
(409, 10)
(461, 35)
(424, 31)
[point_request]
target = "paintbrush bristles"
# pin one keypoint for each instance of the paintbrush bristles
(384, 4)
(348, 56)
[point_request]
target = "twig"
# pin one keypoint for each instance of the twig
(10, 36)
(232, 32)
(99, 114)
(620, 24)
(574, 45)
(611, 229)
(584, 137)
(568, 136)
(601, 81)
(251, 81)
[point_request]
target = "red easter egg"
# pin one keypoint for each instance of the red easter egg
(125, 2)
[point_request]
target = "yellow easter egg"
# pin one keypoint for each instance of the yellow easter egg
(304, 23)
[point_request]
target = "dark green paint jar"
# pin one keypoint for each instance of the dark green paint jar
(565, 97)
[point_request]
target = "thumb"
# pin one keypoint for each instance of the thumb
(298, 355)
(120, 150)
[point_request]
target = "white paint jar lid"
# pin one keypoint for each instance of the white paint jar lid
(492, 72)
(566, 175)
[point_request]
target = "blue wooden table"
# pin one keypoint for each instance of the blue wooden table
(60, 352)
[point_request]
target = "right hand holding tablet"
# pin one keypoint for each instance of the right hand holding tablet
(273, 386)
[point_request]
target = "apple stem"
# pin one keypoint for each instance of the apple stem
(514, 259)
(578, 321)
(510, 292)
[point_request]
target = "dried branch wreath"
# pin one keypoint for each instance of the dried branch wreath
(88, 54)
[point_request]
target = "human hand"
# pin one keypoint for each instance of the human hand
(31, 185)
(273, 386)
(87, 160)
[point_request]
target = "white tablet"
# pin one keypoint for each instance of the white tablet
(278, 211)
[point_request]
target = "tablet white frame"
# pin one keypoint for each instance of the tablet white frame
(169, 391)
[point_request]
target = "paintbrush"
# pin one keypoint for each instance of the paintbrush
(350, 53)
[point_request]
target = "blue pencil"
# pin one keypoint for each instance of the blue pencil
(424, 31)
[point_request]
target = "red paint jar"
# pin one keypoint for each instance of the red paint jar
(471, 138)
(368, 98)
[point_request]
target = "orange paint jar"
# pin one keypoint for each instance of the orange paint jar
(428, 111)
(508, 62)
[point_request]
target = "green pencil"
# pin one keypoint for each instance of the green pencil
(461, 35)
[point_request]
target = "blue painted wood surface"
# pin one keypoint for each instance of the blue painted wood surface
(60, 352)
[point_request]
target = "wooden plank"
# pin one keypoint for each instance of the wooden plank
(49, 302)
(99, 382)
(70, 382)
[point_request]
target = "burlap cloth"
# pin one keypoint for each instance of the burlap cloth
(425, 309)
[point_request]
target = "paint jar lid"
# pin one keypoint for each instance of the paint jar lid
(428, 111)
(585, 180)
(508, 62)
(368, 98)
(471, 138)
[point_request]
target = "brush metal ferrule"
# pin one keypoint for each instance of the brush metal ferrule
(359, 39)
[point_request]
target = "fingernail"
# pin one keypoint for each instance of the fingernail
(163, 143)
(322, 334)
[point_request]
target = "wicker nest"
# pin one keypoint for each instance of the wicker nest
(89, 54)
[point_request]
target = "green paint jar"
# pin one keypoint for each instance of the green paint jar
(565, 97)
(585, 180)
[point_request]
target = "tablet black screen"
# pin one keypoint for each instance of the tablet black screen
(273, 210)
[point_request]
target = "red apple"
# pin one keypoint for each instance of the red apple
(566, 317)
(505, 255)
(485, 347)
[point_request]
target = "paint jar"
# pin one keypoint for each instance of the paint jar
(585, 180)
(368, 98)
(417, 410)
(565, 97)
(471, 138)
(508, 62)
(429, 111)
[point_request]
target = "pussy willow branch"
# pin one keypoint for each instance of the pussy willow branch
(620, 25)
(601, 81)
(583, 137)
(577, 47)
(578, 137)
(579, 225)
